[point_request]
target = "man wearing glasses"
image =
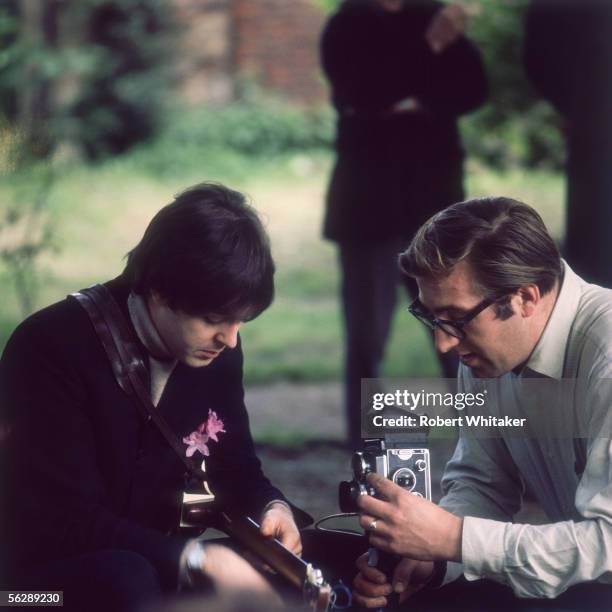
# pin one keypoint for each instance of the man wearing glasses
(493, 289)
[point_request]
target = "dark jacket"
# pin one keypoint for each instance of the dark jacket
(85, 471)
(394, 170)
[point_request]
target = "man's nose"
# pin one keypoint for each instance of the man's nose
(444, 342)
(228, 334)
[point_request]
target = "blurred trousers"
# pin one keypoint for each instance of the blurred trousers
(370, 276)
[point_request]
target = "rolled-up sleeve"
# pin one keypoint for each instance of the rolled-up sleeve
(537, 560)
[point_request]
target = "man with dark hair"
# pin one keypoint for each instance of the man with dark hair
(401, 75)
(90, 487)
(493, 289)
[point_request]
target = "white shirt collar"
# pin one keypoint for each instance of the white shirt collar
(549, 354)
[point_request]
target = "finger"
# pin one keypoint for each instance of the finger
(369, 602)
(366, 521)
(404, 571)
(370, 573)
(409, 591)
(375, 507)
(381, 543)
(371, 589)
(293, 542)
(403, 575)
(384, 487)
(371, 505)
(268, 527)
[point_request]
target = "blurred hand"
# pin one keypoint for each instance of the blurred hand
(447, 25)
(277, 522)
(407, 105)
(371, 586)
(232, 576)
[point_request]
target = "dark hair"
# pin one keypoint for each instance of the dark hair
(205, 253)
(505, 242)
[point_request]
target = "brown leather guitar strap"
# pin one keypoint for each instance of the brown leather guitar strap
(129, 369)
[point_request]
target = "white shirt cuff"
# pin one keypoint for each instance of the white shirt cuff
(482, 549)
(453, 571)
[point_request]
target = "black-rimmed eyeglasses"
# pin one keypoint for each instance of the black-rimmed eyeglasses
(455, 327)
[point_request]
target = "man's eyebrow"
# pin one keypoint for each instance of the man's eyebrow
(450, 307)
(444, 308)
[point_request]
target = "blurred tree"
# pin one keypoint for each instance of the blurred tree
(122, 100)
(515, 127)
(9, 30)
(26, 228)
(91, 73)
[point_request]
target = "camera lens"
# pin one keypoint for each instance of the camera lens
(348, 493)
(362, 465)
(405, 478)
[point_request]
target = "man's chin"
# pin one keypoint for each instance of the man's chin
(483, 371)
(197, 362)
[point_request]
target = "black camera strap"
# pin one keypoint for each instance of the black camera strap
(121, 347)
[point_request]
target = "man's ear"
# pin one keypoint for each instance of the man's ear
(529, 298)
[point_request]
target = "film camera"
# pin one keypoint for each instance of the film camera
(406, 464)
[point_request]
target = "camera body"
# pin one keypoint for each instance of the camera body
(406, 464)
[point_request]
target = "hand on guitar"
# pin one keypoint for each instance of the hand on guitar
(277, 522)
(233, 576)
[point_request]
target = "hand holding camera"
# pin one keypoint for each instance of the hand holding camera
(408, 525)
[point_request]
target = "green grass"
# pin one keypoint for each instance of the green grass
(100, 212)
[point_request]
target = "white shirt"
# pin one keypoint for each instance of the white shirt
(484, 479)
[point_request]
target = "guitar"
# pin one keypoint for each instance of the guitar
(201, 511)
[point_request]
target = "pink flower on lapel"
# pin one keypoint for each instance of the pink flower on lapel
(212, 426)
(207, 430)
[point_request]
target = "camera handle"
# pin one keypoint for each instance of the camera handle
(386, 563)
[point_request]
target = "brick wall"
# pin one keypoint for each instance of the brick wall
(204, 65)
(274, 42)
(277, 43)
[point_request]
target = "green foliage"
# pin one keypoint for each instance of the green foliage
(515, 127)
(104, 87)
(26, 229)
(257, 124)
(123, 98)
(9, 53)
(327, 5)
(258, 127)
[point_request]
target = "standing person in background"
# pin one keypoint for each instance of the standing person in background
(568, 57)
(401, 74)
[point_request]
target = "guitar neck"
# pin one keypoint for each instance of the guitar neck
(246, 531)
